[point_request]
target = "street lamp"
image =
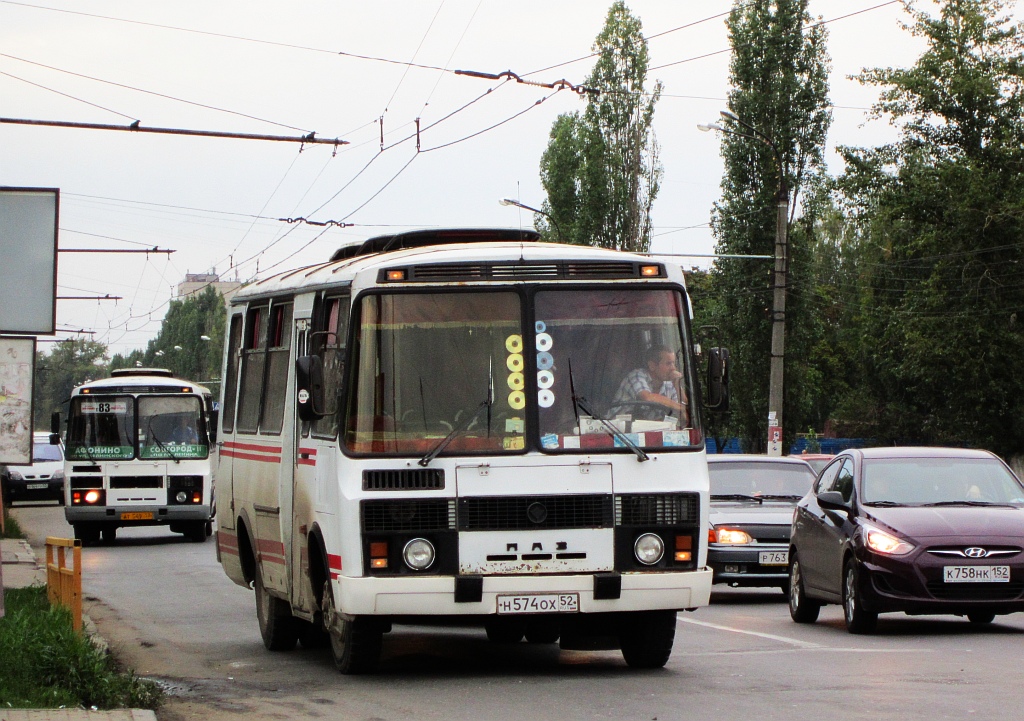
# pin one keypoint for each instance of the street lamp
(776, 376)
(516, 203)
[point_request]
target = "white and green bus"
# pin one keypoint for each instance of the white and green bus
(138, 453)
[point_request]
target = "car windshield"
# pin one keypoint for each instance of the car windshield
(171, 427)
(101, 427)
(43, 452)
(920, 481)
(759, 479)
(434, 365)
(613, 359)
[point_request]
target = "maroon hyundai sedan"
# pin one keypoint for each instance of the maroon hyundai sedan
(917, 530)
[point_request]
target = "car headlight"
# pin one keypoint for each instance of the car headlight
(58, 475)
(879, 541)
(15, 476)
(649, 548)
(731, 536)
(418, 554)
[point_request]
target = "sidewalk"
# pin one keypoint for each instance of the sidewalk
(19, 569)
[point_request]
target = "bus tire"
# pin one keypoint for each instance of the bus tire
(196, 531)
(109, 534)
(87, 533)
(505, 630)
(646, 638)
(355, 642)
(277, 625)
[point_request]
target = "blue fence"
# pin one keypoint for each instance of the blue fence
(827, 445)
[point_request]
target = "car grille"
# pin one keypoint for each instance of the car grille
(656, 509)
(387, 516)
(402, 479)
(976, 591)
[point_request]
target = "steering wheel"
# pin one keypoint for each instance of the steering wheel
(664, 410)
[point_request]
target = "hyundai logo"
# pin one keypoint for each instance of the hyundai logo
(975, 552)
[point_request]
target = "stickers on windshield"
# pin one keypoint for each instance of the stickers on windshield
(545, 362)
(515, 363)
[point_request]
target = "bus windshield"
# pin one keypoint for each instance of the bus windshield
(171, 427)
(434, 364)
(611, 370)
(101, 428)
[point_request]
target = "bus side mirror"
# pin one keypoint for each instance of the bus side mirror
(718, 379)
(55, 427)
(309, 377)
(214, 424)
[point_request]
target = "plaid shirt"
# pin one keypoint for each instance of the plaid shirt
(629, 390)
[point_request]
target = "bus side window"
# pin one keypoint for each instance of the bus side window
(231, 374)
(254, 356)
(276, 376)
(330, 345)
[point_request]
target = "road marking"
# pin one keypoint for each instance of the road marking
(769, 636)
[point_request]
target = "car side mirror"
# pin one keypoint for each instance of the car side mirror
(214, 424)
(718, 379)
(54, 425)
(833, 500)
(309, 377)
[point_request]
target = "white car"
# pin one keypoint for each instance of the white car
(43, 479)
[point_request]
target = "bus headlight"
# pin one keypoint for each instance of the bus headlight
(181, 497)
(418, 554)
(649, 548)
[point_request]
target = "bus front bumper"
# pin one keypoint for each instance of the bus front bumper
(436, 595)
(137, 515)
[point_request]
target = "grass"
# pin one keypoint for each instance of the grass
(11, 527)
(45, 664)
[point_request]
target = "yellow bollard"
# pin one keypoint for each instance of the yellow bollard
(63, 584)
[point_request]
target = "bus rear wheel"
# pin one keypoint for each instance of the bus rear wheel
(87, 533)
(646, 638)
(277, 626)
(355, 642)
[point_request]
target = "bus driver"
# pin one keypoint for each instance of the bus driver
(657, 384)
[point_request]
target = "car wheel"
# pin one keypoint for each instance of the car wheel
(981, 617)
(277, 625)
(196, 532)
(858, 619)
(355, 642)
(646, 638)
(801, 608)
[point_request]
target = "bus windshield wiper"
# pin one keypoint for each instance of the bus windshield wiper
(579, 403)
(160, 443)
(735, 497)
(487, 403)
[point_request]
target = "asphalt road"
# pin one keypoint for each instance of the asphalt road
(169, 613)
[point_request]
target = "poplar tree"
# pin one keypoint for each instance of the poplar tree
(601, 170)
(779, 77)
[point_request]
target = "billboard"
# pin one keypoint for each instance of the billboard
(17, 363)
(28, 260)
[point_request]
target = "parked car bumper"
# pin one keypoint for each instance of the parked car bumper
(741, 565)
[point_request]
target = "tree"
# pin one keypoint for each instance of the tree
(601, 171)
(179, 346)
(69, 364)
(941, 211)
(779, 76)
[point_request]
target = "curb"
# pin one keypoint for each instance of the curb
(76, 714)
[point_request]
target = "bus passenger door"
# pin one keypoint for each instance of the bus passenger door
(224, 472)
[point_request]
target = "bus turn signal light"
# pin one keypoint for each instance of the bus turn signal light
(379, 554)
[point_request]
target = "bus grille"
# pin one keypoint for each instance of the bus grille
(385, 516)
(136, 481)
(511, 513)
(411, 479)
(656, 509)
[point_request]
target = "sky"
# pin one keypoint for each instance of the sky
(364, 73)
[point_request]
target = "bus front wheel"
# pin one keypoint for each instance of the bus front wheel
(87, 533)
(646, 638)
(355, 642)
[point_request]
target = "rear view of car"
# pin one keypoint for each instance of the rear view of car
(752, 500)
(42, 480)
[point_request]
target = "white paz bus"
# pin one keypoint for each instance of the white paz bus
(447, 425)
(138, 453)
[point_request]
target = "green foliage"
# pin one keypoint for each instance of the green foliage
(779, 73)
(44, 663)
(12, 529)
(69, 363)
(601, 170)
(941, 214)
(179, 346)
